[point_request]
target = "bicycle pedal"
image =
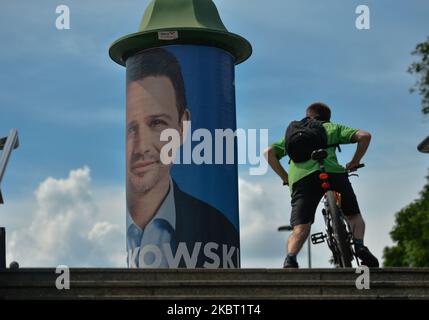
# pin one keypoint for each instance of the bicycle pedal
(317, 238)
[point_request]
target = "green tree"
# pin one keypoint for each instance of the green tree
(411, 229)
(421, 69)
(411, 234)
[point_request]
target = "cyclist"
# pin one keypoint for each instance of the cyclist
(306, 191)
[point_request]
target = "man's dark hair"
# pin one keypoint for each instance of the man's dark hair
(158, 62)
(319, 111)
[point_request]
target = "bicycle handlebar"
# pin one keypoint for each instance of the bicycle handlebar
(356, 168)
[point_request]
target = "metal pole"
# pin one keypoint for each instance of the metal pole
(11, 143)
(2, 248)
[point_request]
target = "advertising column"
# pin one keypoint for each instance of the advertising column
(181, 168)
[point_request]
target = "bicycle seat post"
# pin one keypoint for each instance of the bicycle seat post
(319, 156)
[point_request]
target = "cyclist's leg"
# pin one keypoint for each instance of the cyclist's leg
(349, 205)
(357, 224)
(350, 208)
(306, 196)
(297, 238)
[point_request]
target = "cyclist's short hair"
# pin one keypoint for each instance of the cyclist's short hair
(319, 111)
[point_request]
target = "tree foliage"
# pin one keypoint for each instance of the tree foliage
(411, 234)
(421, 69)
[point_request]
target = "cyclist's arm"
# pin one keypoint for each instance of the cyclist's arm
(363, 139)
(275, 164)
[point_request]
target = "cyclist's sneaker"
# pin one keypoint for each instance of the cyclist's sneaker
(367, 258)
(290, 263)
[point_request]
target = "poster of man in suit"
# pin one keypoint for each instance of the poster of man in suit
(179, 215)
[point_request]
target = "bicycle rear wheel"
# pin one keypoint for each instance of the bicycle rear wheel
(340, 232)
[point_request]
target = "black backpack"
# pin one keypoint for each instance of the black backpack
(303, 137)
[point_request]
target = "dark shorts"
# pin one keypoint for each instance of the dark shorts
(307, 193)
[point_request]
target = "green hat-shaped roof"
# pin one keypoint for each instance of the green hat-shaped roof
(168, 22)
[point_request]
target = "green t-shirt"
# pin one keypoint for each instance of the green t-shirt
(336, 134)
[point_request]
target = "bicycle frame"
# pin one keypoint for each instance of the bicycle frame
(327, 216)
(330, 239)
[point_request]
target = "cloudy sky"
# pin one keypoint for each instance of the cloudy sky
(64, 187)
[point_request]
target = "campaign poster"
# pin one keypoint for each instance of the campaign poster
(181, 168)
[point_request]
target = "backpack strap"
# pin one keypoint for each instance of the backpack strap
(334, 145)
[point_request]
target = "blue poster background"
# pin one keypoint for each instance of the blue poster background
(210, 90)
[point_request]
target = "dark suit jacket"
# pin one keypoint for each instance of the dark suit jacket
(197, 221)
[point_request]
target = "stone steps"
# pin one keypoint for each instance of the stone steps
(225, 284)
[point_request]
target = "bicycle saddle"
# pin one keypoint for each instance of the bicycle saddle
(319, 155)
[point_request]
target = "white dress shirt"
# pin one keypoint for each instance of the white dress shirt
(158, 231)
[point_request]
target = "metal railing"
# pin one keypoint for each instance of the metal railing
(7, 144)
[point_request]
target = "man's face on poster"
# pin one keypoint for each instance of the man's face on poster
(151, 108)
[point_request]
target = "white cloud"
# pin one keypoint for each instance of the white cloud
(71, 225)
(261, 213)
(100, 230)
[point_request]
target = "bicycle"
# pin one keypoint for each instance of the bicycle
(338, 232)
